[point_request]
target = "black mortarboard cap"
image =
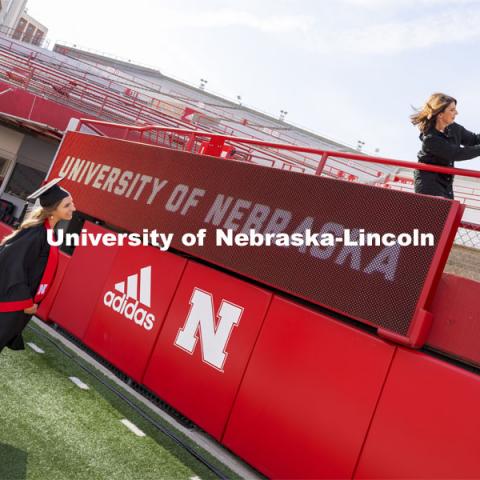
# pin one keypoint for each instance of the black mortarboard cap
(50, 193)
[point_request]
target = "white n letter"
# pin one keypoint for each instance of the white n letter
(201, 319)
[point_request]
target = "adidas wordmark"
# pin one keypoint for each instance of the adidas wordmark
(129, 297)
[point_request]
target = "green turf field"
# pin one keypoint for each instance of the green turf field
(50, 429)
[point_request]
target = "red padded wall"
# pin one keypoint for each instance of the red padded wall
(456, 318)
(27, 105)
(124, 342)
(82, 284)
(43, 311)
(426, 424)
(185, 380)
(308, 395)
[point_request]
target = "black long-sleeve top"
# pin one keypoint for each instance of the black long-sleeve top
(443, 149)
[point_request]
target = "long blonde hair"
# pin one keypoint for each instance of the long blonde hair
(34, 218)
(425, 117)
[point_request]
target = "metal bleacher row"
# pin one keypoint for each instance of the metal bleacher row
(114, 95)
(117, 96)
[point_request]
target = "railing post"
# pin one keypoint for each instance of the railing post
(102, 106)
(139, 113)
(29, 78)
(321, 164)
(190, 143)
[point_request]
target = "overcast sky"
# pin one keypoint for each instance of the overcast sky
(347, 69)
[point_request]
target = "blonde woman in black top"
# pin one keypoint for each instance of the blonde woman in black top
(443, 143)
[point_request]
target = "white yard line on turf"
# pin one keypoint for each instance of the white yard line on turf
(132, 427)
(203, 440)
(79, 383)
(35, 348)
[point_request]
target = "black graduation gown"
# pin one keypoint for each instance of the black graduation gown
(22, 263)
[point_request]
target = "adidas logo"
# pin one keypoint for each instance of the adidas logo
(133, 284)
(130, 294)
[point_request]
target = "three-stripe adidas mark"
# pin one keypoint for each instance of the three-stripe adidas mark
(133, 283)
(130, 295)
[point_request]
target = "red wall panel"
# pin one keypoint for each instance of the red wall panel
(308, 395)
(192, 381)
(426, 424)
(47, 303)
(17, 102)
(27, 105)
(82, 284)
(127, 339)
(456, 318)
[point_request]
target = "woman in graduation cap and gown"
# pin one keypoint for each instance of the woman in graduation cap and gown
(28, 263)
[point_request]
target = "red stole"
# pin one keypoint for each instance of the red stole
(50, 269)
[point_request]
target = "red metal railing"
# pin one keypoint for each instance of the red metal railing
(51, 77)
(214, 144)
(219, 140)
(219, 111)
(109, 100)
(136, 107)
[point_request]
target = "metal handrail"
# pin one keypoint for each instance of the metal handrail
(145, 82)
(325, 154)
(303, 160)
(100, 94)
(89, 95)
(295, 148)
(106, 101)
